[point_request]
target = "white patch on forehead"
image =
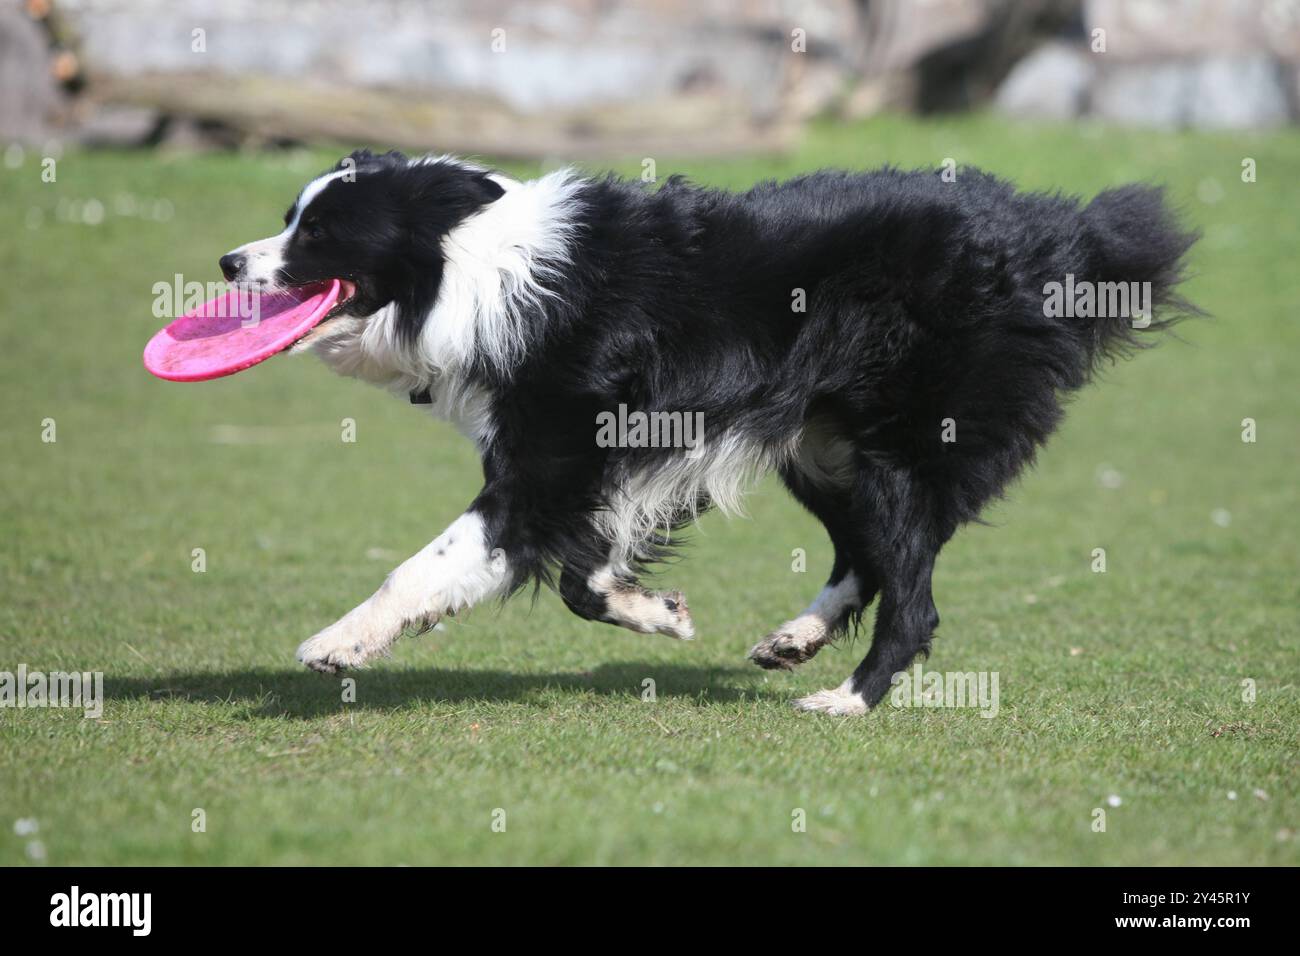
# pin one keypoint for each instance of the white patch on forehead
(311, 191)
(449, 160)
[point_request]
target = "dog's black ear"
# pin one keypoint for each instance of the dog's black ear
(438, 195)
(488, 188)
(364, 157)
(354, 159)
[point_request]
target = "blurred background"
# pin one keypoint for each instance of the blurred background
(595, 78)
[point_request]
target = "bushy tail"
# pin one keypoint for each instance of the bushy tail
(1134, 237)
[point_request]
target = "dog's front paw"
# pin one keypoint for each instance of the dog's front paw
(678, 622)
(843, 701)
(650, 612)
(338, 647)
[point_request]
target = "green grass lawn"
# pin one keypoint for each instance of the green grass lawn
(1121, 684)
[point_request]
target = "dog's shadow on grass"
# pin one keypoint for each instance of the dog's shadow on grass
(278, 693)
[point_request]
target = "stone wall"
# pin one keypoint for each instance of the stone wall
(494, 76)
(598, 78)
(1230, 64)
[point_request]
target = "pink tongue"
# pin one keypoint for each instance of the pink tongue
(236, 331)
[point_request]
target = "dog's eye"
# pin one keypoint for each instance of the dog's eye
(311, 230)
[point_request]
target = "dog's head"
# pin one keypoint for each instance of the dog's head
(376, 223)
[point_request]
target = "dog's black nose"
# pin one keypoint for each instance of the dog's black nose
(230, 265)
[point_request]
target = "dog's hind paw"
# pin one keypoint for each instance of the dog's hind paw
(783, 650)
(794, 642)
(843, 701)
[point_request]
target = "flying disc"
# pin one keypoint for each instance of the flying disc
(236, 331)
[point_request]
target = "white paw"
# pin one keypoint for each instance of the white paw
(842, 702)
(652, 612)
(340, 646)
(679, 623)
(791, 644)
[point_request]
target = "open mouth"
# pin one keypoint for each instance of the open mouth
(347, 291)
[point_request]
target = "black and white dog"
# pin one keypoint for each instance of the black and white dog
(879, 340)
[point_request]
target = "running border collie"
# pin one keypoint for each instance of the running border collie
(880, 340)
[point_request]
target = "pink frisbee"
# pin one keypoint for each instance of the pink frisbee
(237, 330)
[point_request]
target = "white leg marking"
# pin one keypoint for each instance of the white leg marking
(452, 572)
(649, 612)
(842, 701)
(797, 641)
